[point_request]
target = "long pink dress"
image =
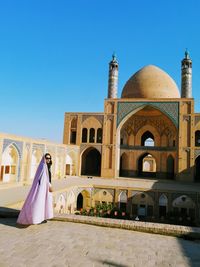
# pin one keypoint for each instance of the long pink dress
(38, 205)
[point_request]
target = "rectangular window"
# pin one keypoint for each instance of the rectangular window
(13, 169)
(7, 169)
(73, 137)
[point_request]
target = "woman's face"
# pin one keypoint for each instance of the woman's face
(48, 159)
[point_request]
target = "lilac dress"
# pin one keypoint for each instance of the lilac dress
(38, 205)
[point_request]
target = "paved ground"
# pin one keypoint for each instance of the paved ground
(72, 244)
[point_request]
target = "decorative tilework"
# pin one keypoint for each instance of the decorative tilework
(197, 119)
(196, 153)
(171, 109)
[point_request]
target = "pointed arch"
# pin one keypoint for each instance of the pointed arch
(10, 164)
(147, 165)
(147, 139)
(83, 200)
(91, 162)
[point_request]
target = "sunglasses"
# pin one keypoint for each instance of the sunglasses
(47, 158)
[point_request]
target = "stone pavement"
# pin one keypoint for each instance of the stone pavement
(72, 244)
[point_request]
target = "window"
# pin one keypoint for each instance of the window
(147, 139)
(13, 169)
(84, 135)
(99, 135)
(73, 137)
(7, 169)
(92, 134)
(197, 138)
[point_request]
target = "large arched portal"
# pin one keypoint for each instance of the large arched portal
(148, 131)
(91, 162)
(147, 165)
(197, 170)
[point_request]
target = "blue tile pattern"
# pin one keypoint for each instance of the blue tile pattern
(171, 109)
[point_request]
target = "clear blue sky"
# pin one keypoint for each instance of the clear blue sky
(54, 55)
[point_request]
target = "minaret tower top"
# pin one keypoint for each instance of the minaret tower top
(186, 76)
(113, 77)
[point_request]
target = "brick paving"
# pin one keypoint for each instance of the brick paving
(72, 244)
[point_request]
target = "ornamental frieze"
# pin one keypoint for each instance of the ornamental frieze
(171, 109)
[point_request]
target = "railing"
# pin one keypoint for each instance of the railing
(152, 148)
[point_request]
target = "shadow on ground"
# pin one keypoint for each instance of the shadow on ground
(111, 263)
(9, 216)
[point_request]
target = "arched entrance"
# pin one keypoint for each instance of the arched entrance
(170, 167)
(142, 205)
(197, 170)
(147, 166)
(83, 200)
(79, 201)
(91, 162)
(147, 139)
(142, 126)
(10, 164)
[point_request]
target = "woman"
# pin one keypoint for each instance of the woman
(38, 205)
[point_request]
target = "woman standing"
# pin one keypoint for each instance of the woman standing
(38, 205)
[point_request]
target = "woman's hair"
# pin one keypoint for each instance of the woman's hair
(47, 154)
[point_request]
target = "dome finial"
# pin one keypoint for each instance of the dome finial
(114, 57)
(187, 55)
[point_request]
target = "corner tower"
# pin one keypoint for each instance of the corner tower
(113, 77)
(186, 76)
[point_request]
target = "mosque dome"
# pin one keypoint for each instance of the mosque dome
(150, 82)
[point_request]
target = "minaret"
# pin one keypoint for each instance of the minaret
(113, 77)
(186, 76)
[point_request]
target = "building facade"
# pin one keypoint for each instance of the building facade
(151, 133)
(20, 157)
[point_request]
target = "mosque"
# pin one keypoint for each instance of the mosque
(142, 152)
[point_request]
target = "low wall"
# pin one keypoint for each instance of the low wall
(154, 228)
